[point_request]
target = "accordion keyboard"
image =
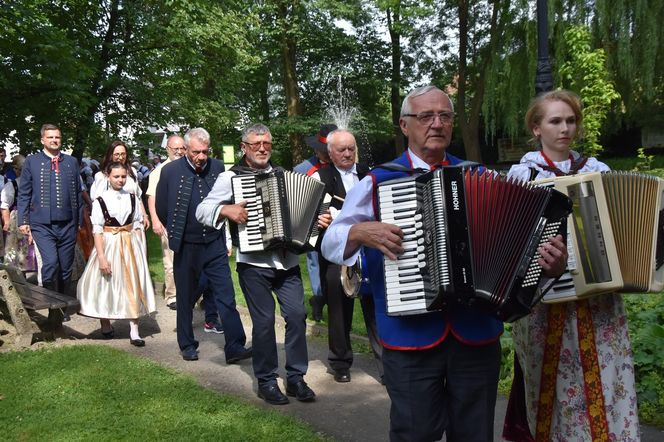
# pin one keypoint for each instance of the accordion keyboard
(250, 234)
(404, 284)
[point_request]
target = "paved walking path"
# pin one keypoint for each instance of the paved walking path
(355, 411)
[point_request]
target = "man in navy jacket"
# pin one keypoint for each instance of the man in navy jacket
(197, 249)
(49, 208)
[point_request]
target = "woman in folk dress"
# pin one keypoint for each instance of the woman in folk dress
(117, 152)
(575, 357)
(116, 283)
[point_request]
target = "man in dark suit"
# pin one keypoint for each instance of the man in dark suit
(49, 208)
(339, 178)
(198, 250)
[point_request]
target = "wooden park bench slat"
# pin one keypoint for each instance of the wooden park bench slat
(33, 297)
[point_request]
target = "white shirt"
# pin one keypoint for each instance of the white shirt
(118, 204)
(207, 213)
(357, 208)
(8, 195)
(101, 185)
(348, 177)
(535, 160)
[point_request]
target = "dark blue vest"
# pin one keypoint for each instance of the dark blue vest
(46, 195)
(179, 192)
(419, 332)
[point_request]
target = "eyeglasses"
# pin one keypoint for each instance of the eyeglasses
(177, 149)
(428, 117)
(119, 155)
(258, 145)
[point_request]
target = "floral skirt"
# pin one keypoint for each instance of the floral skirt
(578, 371)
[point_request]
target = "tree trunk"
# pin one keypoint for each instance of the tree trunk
(96, 92)
(393, 19)
(470, 122)
(291, 88)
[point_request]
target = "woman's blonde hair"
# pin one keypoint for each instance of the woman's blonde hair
(535, 112)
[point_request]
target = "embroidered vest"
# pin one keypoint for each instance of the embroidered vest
(420, 332)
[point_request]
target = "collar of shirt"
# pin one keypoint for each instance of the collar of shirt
(348, 177)
(419, 162)
(48, 154)
(192, 165)
(352, 170)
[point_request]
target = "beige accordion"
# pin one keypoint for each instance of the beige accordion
(615, 235)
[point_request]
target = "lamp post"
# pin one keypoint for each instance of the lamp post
(544, 74)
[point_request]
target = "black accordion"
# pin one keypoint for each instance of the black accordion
(470, 238)
(283, 211)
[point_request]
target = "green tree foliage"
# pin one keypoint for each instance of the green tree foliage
(586, 73)
(97, 67)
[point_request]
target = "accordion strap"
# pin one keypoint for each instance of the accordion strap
(243, 168)
(396, 167)
(576, 164)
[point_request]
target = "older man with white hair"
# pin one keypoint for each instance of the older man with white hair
(339, 178)
(198, 251)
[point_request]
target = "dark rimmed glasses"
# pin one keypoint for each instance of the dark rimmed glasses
(258, 145)
(428, 117)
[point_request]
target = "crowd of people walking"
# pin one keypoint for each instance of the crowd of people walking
(574, 369)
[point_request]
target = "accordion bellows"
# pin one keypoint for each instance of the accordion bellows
(615, 240)
(471, 238)
(283, 211)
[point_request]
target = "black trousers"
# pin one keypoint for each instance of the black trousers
(450, 388)
(257, 284)
(210, 260)
(340, 319)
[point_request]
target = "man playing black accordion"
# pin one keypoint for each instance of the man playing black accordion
(441, 368)
(261, 273)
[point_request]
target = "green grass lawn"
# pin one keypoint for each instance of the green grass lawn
(98, 393)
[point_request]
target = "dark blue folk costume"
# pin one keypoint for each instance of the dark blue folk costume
(50, 202)
(197, 250)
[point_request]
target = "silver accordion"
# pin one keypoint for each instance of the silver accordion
(283, 211)
(616, 235)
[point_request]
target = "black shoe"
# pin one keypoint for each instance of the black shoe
(109, 334)
(301, 391)
(243, 354)
(172, 305)
(342, 375)
(189, 354)
(137, 342)
(271, 394)
(317, 303)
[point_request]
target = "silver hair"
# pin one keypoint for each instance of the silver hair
(198, 133)
(405, 105)
(333, 134)
(256, 129)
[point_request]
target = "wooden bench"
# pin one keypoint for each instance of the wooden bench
(21, 296)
